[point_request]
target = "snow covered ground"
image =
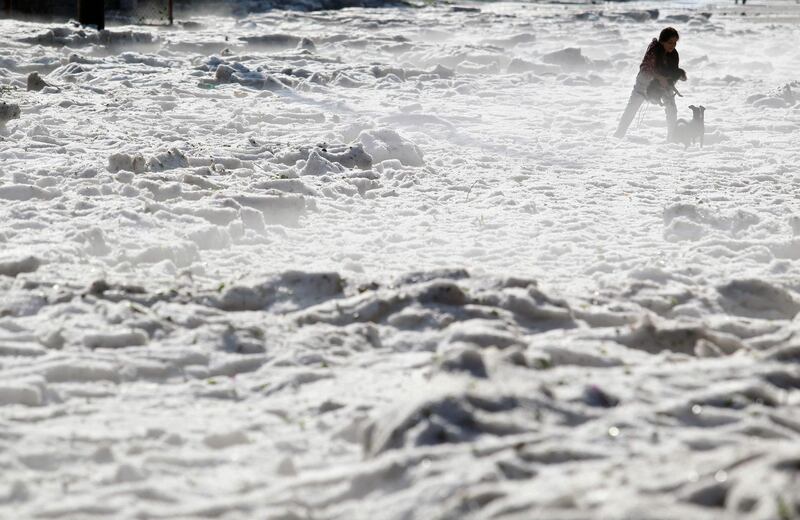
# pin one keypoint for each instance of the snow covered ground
(390, 264)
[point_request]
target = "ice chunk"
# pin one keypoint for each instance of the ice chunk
(13, 267)
(121, 161)
(35, 82)
(18, 392)
(384, 143)
(169, 160)
(8, 111)
(115, 339)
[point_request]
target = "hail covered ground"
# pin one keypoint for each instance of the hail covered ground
(390, 263)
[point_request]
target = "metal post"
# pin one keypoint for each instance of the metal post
(170, 12)
(92, 12)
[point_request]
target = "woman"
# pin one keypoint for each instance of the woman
(655, 82)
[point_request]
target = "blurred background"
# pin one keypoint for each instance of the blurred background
(154, 12)
(163, 12)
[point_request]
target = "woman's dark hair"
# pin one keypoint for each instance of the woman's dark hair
(668, 34)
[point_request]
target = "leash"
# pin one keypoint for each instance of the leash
(642, 112)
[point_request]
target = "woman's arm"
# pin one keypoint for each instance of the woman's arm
(649, 62)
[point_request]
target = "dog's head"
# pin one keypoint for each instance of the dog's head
(698, 112)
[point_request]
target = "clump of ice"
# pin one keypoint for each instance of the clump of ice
(181, 254)
(281, 208)
(8, 111)
(290, 290)
(513, 40)
(35, 82)
(74, 37)
(115, 339)
(136, 163)
(401, 73)
(637, 16)
(446, 418)
(570, 57)
(168, 160)
(518, 65)
(349, 157)
(14, 266)
(306, 44)
(122, 161)
(758, 299)
(782, 97)
(318, 165)
(21, 392)
(688, 221)
(23, 192)
(273, 41)
(384, 144)
(353, 156)
(239, 73)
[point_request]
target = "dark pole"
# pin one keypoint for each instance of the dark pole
(170, 12)
(92, 12)
(7, 7)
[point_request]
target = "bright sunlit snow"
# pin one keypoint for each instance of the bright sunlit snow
(391, 264)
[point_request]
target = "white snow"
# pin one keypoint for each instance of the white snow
(390, 263)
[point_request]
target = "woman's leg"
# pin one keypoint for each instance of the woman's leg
(634, 103)
(671, 112)
(638, 96)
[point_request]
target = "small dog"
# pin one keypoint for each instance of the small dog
(687, 132)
